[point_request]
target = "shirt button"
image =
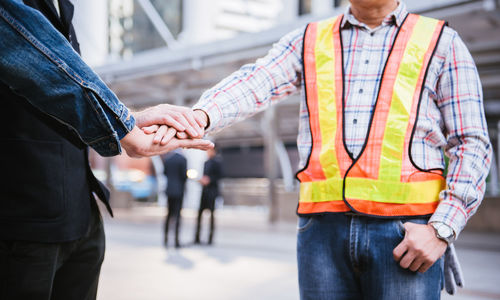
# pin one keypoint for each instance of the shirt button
(355, 121)
(372, 33)
(361, 91)
(367, 62)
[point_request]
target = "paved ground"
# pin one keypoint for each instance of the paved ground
(249, 260)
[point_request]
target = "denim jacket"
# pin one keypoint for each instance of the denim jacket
(38, 63)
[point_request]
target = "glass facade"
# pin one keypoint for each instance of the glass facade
(305, 6)
(131, 31)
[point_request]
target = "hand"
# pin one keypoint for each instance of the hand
(138, 144)
(183, 119)
(205, 180)
(420, 248)
(199, 115)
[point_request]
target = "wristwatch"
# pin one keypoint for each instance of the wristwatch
(444, 232)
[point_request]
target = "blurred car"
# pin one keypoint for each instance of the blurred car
(141, 186)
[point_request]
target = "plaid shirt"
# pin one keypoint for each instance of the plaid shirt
(451, 117)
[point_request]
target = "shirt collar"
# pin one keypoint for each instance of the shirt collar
(396, 17)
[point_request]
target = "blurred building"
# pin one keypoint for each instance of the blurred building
(171, 51)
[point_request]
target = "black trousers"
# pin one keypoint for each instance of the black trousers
(56, 271)
(207, 202)
(174, 211)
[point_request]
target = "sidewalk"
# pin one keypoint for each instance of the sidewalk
(250, 259)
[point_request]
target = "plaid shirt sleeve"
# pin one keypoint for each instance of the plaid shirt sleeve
(460, 100)
(254, 87)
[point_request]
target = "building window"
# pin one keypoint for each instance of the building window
(306, 6)
(131, 31)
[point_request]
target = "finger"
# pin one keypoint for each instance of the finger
(150, 129)
(182, 118)
(407, 259)
(194, 124)
(195, 144)
(179, 124)
(182, 135)
(160, 133)
(417, 264)
(201, 117)
(168, 136)
(425, 266)
(399, 251)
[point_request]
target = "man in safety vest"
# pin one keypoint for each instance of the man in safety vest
(386, 94)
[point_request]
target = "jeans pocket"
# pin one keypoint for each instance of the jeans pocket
(400, 228)
(400, 224)
(304, 223)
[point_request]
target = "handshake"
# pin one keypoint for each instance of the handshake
(163, 128)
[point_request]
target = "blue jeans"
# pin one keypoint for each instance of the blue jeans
(350, 257)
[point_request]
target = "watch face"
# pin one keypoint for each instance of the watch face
(444, 231)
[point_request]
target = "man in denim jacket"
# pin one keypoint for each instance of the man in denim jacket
(55, 106)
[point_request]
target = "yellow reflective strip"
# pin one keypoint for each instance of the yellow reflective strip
(321, 191)
(402, 99)
(394, 192)
(327, 110)
(372, 190)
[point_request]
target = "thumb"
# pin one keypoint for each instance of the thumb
(408, 225)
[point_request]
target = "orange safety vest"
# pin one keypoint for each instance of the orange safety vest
(383, 180)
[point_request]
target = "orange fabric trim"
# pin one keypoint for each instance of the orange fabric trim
(319, 207)
(392, 209)
(369, 207)
(314, 170)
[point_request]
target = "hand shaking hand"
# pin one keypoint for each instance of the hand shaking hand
(139, 144)
(165, 127)
(184, 120)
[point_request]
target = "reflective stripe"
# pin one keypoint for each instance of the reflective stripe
(327, 100)
(313, 170)
(371, 190)
(405, 87)
(321, 191)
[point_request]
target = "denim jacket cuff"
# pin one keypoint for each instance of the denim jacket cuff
(123, 124)
(107, 146)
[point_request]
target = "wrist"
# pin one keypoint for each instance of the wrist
(202, 115)
(443, 232)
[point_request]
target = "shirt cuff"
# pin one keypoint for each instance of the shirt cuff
(451, 214)
(213, 112)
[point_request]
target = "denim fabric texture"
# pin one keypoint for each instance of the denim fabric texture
(38, 63)
(350, 257)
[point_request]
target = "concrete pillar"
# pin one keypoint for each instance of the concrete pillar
(269, 130)
(321, 7)
(198, 21)
(91, 25)
(290, 11)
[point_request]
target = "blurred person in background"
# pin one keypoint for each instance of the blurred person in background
(175, 169)
(212, 173)
(386, 95)
(51, 233)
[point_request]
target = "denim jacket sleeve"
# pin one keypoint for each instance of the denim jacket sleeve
(38, 63)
